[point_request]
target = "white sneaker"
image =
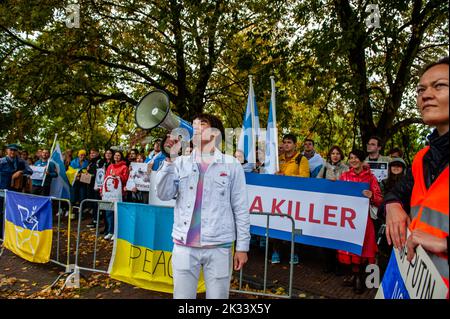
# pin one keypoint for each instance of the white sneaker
(108, 236)
(113, 237)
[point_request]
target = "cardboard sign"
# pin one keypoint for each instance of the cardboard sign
(38, 172)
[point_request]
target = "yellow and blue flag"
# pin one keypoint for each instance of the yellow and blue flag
(71, 173)
(28, 226)
(142, 253)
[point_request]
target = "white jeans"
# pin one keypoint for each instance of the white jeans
(217, 266)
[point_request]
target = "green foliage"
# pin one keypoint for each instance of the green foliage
(337, 80)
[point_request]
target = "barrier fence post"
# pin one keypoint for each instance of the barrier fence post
(58, 231)
(291, 269)
(101, 205)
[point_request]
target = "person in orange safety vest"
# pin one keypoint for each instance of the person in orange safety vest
(424, 191)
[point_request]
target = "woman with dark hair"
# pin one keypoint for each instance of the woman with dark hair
(119, 169)
(332, 169)
(359, 172)
(397, 169)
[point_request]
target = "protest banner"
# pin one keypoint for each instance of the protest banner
(330, 214)
(418, 279)
(142, 251)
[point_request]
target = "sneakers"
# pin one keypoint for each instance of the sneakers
(113, 237)
(108, 236)
(275, 258)
(295, 259)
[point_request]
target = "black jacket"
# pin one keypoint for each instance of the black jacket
(434, 162)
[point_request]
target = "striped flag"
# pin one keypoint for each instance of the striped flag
(271, 159)
(250, 127)
(60, 187)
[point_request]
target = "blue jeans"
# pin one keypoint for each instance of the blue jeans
(79, 192)
(109, 227)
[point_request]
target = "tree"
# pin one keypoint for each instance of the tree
(375, 68)
(122, 50)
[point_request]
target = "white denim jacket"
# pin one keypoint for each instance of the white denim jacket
(225, 214)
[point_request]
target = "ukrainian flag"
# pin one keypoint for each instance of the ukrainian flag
(28, 226)
(71, 173)
(142, 253)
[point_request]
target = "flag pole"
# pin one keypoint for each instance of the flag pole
(48, 160)
(274, 116)
(252, 114)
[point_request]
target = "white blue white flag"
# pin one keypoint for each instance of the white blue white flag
(250, 127)
(271, 157)
(60, 187)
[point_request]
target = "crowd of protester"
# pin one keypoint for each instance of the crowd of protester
(307, 163)
(16, 174)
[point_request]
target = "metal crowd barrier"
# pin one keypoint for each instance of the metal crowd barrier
(58, 231)
(266, 255)
(73, 270)
(58, 260)
(101, 205)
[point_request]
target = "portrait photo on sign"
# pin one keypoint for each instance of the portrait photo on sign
(112, 189)
(138, 177)
(99, 177)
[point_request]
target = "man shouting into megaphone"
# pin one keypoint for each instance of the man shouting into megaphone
(211, 210)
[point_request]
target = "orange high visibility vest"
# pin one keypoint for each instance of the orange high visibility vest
(429, 208)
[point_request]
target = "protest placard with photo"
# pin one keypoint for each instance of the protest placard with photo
(138, 177)
(112, 189)
(379, 169)
(99, 177)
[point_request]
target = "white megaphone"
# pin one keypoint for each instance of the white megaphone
(153, 110)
